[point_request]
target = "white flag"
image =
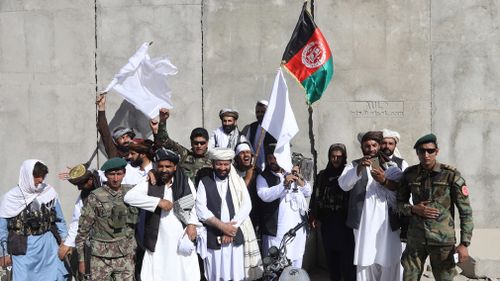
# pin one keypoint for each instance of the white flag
(143, 82)
(280, 122)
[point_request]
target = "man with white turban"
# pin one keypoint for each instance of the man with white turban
(388, 147)
(32, 222)
(223, 205)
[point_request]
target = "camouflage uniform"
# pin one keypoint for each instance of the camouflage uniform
(445, 188)
(189, 161)
(108, 223)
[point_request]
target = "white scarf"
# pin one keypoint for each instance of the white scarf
(252, 258)
(19, 197)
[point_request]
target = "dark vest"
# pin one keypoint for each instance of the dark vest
(152, 220)
(269, 212)
(268, 138)
(398, 161)
(214, 204)
(357, 199)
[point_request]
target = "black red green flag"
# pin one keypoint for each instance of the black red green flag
(308, 57)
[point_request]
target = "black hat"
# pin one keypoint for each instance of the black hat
(166, 154)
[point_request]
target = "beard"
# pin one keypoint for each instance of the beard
(387, 152)
(228, 128)
(136, 163)
(221, 174)
(164, 177)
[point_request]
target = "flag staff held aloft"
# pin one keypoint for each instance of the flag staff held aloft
(308, 58)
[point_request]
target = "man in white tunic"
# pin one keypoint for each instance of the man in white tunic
(377, 247)
(223, 205)
(170, 221)
(140, 159)
(285, 207)
(228, 134)
(85, 180)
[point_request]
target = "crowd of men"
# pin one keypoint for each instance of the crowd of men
(157, 210)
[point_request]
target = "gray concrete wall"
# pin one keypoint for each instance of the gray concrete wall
(412, 66)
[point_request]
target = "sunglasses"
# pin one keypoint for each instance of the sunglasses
(428, 150)
(198, 142)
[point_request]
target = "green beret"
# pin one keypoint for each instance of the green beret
(114, 164)
(426, 139)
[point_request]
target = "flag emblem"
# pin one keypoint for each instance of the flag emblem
(314, 54)
(308, 57)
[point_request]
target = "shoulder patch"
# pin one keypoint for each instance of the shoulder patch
(460, 182)
(465, 190)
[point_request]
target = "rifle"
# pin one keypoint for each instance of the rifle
(6, 269)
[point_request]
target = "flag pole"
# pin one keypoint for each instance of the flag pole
(310, 121)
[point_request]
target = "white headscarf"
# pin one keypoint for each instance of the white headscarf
(221, 153)
(386, 133)
(19, 197)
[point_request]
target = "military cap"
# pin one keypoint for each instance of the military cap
(228, 112)
(79, 174)
(114, 164)
(166, 154)
(426, 139)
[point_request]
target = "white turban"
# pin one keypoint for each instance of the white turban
(221, 153)
(242, 146)
(263, 102)
(391, 134)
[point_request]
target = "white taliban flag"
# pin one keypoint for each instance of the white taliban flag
(279, 121)
(143, 82)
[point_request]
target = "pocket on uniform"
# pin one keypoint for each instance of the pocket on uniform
(445, 256)
(17, 244)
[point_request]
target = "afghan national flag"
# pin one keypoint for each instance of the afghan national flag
(308, 57)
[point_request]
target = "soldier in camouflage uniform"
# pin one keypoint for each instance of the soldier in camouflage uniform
(107, 223)
(192, 160)
(435, 188)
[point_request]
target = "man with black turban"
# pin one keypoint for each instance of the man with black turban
(371, 189)
(170, 221)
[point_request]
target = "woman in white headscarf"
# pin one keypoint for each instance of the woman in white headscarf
(32, 225)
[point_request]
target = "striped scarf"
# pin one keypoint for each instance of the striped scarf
(252, 258)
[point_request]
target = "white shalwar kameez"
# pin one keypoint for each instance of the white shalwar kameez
(227, 263)
(73, 226)
(165, 263)
(377, 252)
(220, 139)
(292, 204)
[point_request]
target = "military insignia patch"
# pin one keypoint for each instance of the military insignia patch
(465, 190)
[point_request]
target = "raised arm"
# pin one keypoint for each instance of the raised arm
(103, 127)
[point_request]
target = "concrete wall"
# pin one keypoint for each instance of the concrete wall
(412, 66)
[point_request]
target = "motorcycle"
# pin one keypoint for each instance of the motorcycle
(277, 267)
